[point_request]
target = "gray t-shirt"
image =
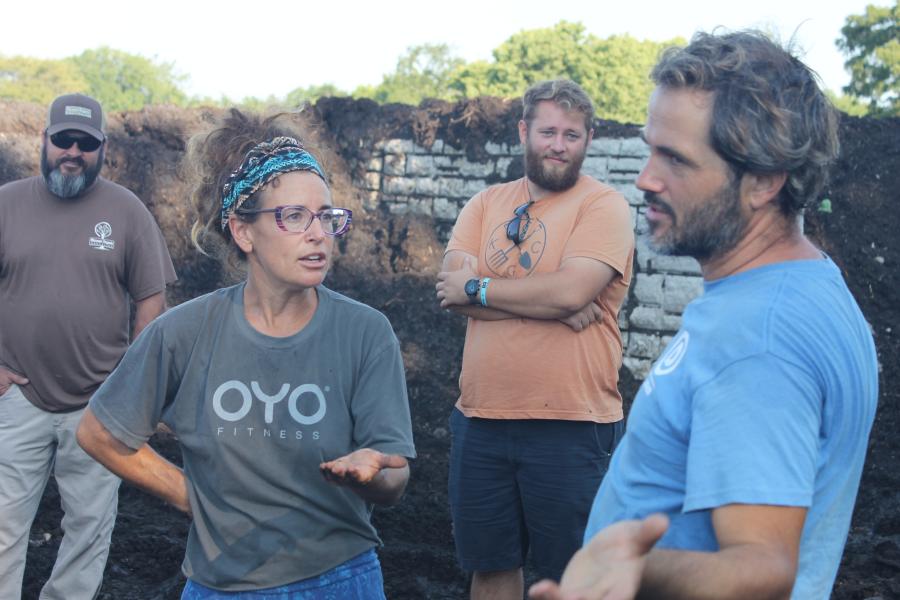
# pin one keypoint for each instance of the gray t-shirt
(255, 415)
(67, 268)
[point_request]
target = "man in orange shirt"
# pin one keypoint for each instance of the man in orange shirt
(540, 266)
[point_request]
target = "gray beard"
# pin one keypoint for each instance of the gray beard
(69, 186)
(65, 186)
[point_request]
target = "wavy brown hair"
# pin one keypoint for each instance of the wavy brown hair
(564, 92)
(769, 112)
(212, 156)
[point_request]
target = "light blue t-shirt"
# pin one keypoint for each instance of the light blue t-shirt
(765, 396)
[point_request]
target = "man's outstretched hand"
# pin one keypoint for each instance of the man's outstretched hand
(609, 567)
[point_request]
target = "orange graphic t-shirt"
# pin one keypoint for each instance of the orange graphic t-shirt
(542, 369)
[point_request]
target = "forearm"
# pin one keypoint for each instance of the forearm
(146, 310)
(544, 296)
(143, 467)
(155, 475)
(386, 488)
(738, 572)
(482, 313)
(556, 295)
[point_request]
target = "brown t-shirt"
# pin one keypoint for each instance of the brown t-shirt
(67, 268)
(542, 369)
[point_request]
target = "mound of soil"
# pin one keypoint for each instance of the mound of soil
(860, 233)
(389, 263)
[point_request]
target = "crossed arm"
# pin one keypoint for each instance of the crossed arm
(757, 558)
(567, 294)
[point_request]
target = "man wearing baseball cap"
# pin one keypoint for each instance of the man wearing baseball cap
(74, 247)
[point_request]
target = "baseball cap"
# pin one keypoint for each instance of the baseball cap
(76, 111)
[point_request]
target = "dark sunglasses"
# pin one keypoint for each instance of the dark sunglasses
(64, 140)
(517, 228)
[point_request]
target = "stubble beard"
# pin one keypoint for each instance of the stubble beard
(706, 230)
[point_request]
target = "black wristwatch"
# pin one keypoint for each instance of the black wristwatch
(472, 288)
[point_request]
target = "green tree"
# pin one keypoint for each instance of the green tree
(423, 72)
(613, 71)
(38, 80)
(526, 57)
(366, 91)
(123, 81)
(871, 42)
(294, 99)
(301, 95)
(848, 104)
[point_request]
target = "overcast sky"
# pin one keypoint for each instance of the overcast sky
(261, 48)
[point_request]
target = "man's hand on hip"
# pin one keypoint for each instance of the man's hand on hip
(7, 378)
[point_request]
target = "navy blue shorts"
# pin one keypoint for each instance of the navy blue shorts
(520, 485)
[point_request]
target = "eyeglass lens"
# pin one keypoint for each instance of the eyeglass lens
(298, 218)
(64, 140)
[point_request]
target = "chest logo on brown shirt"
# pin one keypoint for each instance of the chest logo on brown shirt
(102, 230)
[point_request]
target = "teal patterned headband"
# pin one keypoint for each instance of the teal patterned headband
(263, 162)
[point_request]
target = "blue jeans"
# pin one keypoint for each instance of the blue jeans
(357, 579)
(523, 487)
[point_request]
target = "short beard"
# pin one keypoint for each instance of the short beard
(548, 180)
(69, 186)
(706, 230)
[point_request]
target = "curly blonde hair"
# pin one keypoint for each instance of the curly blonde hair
(211, 158)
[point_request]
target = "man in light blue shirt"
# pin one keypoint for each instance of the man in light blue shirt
(750, 432)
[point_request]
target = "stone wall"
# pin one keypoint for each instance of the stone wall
(404, 177)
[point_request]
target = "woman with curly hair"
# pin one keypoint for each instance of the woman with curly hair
(288, 399)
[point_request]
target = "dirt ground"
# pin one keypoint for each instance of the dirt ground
(389, 263)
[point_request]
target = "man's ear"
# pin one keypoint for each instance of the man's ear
(241, 233)
(523, 131)
(763, 188)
